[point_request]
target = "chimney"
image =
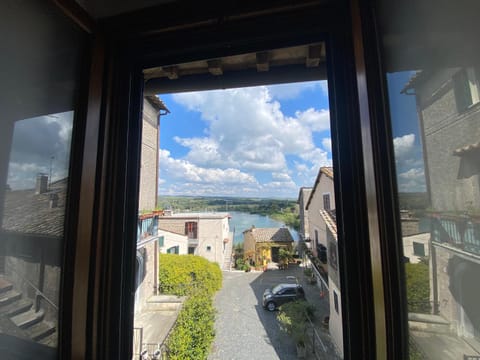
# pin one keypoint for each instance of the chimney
(42, 184)
(53, 201)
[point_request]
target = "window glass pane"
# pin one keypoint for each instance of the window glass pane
(38, 85)
(431, 54)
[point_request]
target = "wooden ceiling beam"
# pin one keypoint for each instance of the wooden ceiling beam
(263, 61)
(171, 71)
(215, 67)
(314, 55)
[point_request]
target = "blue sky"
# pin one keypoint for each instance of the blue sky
(266, 141)
(406, 133)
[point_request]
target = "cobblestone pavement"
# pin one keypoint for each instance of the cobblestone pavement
(246, 331)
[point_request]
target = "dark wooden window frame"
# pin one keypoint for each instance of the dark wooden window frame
(101, 314)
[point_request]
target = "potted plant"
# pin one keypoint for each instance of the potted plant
(293, 320)
(299, 335)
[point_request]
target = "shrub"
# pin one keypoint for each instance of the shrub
(194, 331)
(198, 279)
(293, 318)
(180, 274)
(308, 272)
(418, 287)
(240, 263)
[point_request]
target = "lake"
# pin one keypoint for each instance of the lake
(241, 221)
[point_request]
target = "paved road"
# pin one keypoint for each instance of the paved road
(244, 330)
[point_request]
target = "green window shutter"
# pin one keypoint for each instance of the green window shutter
(161, 241)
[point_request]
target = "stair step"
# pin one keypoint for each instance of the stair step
(16, 307)
(40, 330)
(5, 285)
(28, 318)
(50, 340)
(9, 296)
(429, 327)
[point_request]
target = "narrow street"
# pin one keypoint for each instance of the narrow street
(244, 330)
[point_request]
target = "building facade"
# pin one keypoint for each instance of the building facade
(262, 245)
(322, 197)
(208, 233)
(302, 200)
(448, 105)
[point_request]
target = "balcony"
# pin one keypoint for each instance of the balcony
(458, 231)
(147, 227)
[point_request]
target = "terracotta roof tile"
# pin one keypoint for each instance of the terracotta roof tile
(270, 234)
(330, 219)
(28, 213)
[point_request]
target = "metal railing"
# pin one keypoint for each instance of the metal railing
(458, 231)
(316, 338)
(147, 226)
(38, 293)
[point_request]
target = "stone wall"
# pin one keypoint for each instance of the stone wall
(457, 298)
(149, 154)
(445, 130)
(315, 221)
(148, 283)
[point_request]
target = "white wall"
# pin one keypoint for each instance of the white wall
(171, 239)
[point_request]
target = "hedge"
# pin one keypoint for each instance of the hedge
(418, 288)
(180, 274)
(198, 279)
(194, 332)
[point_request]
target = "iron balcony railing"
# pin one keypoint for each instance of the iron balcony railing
(147, 226)
(459, 231)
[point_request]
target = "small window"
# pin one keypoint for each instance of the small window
(466, 89)
(418, 249)
(191, 229)
(335, 300)
(326, 201)
(191, 250)
(209, 248)
(161, 241)
(173, 250)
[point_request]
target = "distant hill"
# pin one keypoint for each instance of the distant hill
(413, 200)
(285, 210)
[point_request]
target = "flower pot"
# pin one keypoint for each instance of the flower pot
(301, 351)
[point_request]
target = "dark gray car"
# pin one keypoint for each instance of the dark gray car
(280, 294)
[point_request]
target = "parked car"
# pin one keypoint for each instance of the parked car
(280, 294)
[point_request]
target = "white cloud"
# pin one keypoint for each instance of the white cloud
(188, 172)
(247, 129)
(281, 177)
(409, 163)
(327, 144)
(403, 145)
(318, 157)
(293, 90)
(412, 180)
(316, 120)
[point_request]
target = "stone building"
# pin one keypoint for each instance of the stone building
(322, 197)
(303, 232)
(448, 105)
(31, 250)
(264, 244)
(146, 278)
(208, 233)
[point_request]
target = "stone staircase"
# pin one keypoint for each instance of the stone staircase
(21, 312)
(428, 323)
(227, 262)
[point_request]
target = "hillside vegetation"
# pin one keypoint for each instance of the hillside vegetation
(283, 210)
